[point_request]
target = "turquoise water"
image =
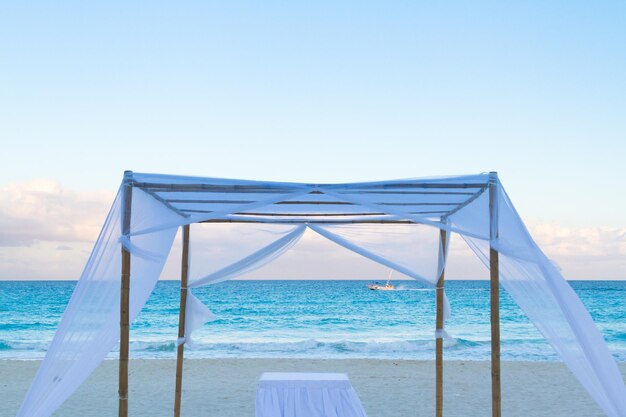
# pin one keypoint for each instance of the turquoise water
(313, 319)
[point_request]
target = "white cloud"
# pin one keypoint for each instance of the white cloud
(43, 261)
(47, 230)
(583, 253)
(44, 210)
(591, 243)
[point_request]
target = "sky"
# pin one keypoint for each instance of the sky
(314, 92)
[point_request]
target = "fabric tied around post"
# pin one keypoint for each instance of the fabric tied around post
(447, 310)
(196, 314)
(139, 252)
(441, 334)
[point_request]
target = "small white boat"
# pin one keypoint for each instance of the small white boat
(386, 287)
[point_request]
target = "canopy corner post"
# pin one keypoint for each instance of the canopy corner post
(439, 327)
(494, 271)
(184, 275)
(125, 297)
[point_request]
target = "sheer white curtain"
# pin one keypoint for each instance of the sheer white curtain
(196, 313)
(284, 239)
(547, 299)
(412, 249)
(89, 328)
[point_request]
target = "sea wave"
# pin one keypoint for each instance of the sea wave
(297, 348)
(416, 349)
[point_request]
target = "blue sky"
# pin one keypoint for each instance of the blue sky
(317, 92)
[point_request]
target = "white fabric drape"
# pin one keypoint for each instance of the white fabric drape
(89, 328)
(398, 254)
(333, 233)
(253, 261)
(90, 325)
(552, 305)
(400, 213)
(283, 191)
(196, 314)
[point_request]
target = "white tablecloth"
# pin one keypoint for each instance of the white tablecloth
(282, 394)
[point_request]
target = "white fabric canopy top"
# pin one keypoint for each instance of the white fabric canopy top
(395, 223)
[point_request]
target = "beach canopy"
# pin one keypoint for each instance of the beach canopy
(402, 224)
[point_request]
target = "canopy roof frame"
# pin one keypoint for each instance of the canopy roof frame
(383, 189)
(304, 218)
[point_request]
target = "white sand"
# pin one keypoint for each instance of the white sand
(226, 387)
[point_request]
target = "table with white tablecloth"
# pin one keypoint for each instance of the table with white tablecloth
(289, 394)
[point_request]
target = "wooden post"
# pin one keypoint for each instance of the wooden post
(439, 329)
(181, 320)
(124, 299)
(494, 298)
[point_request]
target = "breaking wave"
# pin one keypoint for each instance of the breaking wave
(310, 348)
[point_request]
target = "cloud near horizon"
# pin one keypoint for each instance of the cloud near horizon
(583, 253)
(587, 242)
(47, 230)
(45, 211)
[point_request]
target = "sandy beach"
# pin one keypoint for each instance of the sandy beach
(387, 388)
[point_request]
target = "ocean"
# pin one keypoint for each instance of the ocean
(313, 319)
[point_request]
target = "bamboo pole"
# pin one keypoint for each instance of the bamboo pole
(181, 320)
(269, 189)
(496, 399)
(439, 327)
(124, 301)
(291, 221)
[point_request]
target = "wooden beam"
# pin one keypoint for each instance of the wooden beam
(275, 189)
(288, 221)
(391, 192)
(290, 214)
(464, 204)
(494, 267)
(164, 202)
(184, 274)
(125, 301)
(253, 189)
(425, 185)
(439, 328)
(207, 201)
(303, 203)
(418, 204)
